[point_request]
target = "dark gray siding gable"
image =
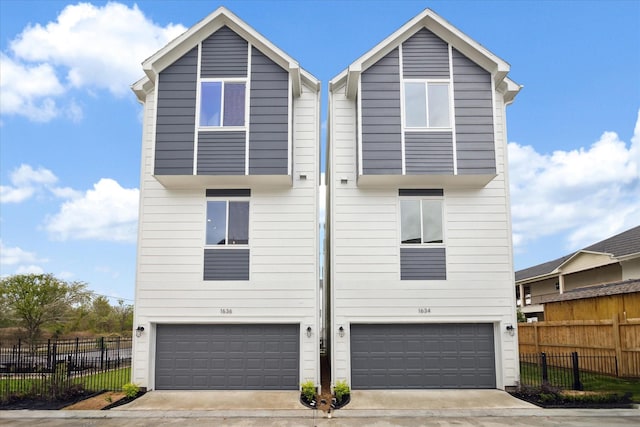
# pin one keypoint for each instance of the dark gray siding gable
(428, 153)
(425, 55)
(221, 153)
(475, 146)
(176, 115)
(268, 117)
(224, 54)
(381, 124)
(423, 264)
(226, 264)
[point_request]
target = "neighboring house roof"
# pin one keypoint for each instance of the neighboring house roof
(447, 32)
(203, 29)
(624, 287)
(619, 246)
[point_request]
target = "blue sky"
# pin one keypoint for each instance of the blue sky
(70, 129)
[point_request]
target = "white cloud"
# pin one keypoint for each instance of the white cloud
(29, 269)
(15, 255)
(28, 90)
(27, 181)
(107, 212)
(589, 194)
(19, 260)
(86, 47)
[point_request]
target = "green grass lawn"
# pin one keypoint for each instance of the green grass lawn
(112, 380)
(530, 374)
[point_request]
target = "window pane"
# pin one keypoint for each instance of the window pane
(210, 93)
(238, 223)
(432, 221)
(439, 106)
(410, 221)
(415, 105)
(216, 223)
(234, 104)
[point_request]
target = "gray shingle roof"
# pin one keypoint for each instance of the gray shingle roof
(625, 243)
(625, 287)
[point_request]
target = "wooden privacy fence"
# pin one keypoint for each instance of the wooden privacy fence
(621, 340)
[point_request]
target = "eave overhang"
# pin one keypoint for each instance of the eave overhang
(443, 29)
(221, 17)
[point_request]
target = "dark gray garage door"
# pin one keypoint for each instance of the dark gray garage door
(227, 357)
(420, 356)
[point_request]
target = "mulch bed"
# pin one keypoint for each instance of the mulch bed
(42, 404)
(560, 402)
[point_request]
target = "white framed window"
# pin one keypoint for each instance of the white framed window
(227, 222)
(427, 104)
(223, 103)
(421, 221)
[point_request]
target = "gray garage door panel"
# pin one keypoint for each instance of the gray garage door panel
(422, 356)
(227, 357)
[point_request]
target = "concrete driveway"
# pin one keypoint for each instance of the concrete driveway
(360, 400)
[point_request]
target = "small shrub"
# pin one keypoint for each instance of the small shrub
(130, 390)
(308, 390)
(341, 389)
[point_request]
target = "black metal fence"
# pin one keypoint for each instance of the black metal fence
(565, 370)
(48, 369)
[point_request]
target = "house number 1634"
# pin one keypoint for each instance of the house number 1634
(226, 311)
(424, 310)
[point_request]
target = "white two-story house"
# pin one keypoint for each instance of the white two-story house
(419, 254)
(227, 266)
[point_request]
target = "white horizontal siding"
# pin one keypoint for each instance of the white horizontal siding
(365, 255)
(283, 241)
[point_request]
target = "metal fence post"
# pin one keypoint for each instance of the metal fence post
(545, 373)
(577, 385)
(101, 353)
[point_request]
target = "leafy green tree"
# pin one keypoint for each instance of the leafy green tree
(102, 315)
(124, 316)
(39, 300)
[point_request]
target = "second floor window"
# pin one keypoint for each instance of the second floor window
(222, 103)
(421, 221)
(426, 104)
(227, 222)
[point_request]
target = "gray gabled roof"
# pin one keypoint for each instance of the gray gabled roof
(625, 243)
(617, 288)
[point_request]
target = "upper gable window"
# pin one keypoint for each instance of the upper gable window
(222, 103)
(426, 104)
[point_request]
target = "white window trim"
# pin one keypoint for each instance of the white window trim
(426, 82)
(225, 80)
(452, 113)
(226, 231)
(422, 244)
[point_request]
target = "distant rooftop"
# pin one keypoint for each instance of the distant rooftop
(624, 287)
(625, 243)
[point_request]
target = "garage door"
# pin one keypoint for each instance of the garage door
(421, 356)
(227, 357)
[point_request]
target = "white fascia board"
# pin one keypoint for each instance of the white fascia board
(578, 253)
(440, 27)
(216, 20)
(534, 279)
(629, 256)
(142, 88)
(509, 90)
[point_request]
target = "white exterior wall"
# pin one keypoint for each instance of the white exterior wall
(365, 252)
(283, 242)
